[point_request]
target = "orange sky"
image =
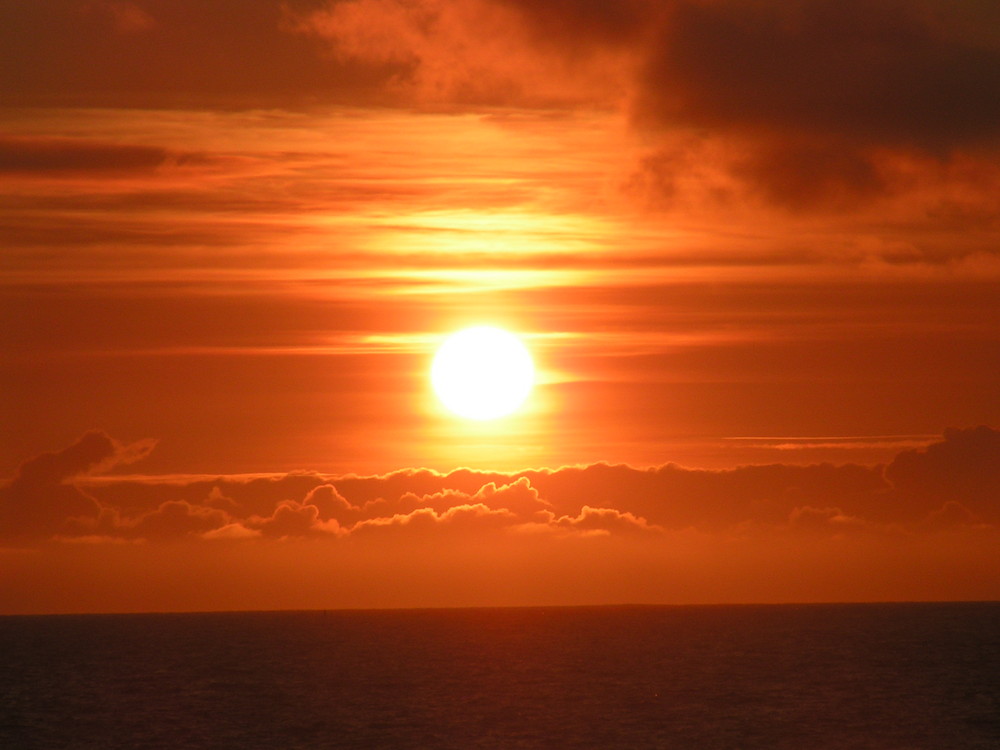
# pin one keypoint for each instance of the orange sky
(733, 234)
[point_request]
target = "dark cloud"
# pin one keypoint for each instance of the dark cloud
(41, 499)
(820, 103)
(47, 156)
(821, 519)
(241, 497)
(951, 483)
(962, 469)
(176, 519)
(806, 105)
(605, 521)
(883, 72)
(677, 497)
(330, 504)
(307, 52)
(518, 496)
(587, 22)
(803, 175)
(174, 53)
(887, 71)
(91, 450)
(294, 519)
(951, 515)
(464, 518)
(121, 16)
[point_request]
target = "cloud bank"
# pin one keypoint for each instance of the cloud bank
(925, 526)
(62, 495)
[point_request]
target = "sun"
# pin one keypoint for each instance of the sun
(482, 373)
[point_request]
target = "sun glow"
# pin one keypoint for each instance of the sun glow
(482, 373)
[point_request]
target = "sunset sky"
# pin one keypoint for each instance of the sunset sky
(753, 247)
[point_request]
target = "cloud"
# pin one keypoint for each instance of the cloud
(587, 23)
(177, 53)
(231, 532)
(883, 72)
(330, 504)
(820, 104)
(605, 521)
(571, 535)
(519, 497)
(963, 468)
(89, 452)
(176, 519)
(41, 498)
(294, 519)
(810, 105)
(822, 519)
(464, 518)
(892, 73)
(951, 515)
(805, 106)
(38, 156)
(675, 497)
(953, 482)
(124, 17)
(490, 507)
(477, 52)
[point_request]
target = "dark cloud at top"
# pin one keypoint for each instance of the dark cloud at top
(881, 72)
(587, 22)
(809, 104)
(170, 53)
(816, 104)
(834, 79)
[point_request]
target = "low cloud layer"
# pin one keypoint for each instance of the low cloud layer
(955, 481)
(42, 498)
(924, 526)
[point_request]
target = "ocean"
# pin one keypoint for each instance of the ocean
(913, 676)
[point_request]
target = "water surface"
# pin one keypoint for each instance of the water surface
(811, 676)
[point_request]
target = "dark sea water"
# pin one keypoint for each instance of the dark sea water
(811, 676)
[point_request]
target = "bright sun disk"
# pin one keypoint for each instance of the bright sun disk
(482, 373)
